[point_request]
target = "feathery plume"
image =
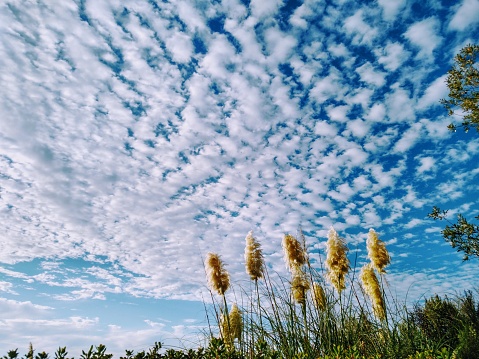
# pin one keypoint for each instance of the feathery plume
(234, 328)
(299, 286)
(319, 297)
(253, 256)
(370, 284)
(337, 261)
(377, 251)
(218, 277)
(294, 253)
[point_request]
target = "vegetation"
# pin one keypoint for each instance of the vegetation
(463, 84)
(302, 317)
(462, 235)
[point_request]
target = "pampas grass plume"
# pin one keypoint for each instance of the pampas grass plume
(218, 277)
(235, 327)
(377, 252)
(294, 253)
(299, 286)
(319, 297)
(371, 286)
(253, 255)
(337, 261)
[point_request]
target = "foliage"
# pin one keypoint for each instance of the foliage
(463, 84)
(98, 353)
(438, 320)
(276, 326)
(462, 235)
(440, 328)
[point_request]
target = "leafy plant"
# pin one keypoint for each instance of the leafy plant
(463, 84)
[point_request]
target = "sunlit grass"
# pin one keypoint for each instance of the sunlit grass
(318, 313)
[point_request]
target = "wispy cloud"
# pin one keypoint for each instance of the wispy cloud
(138, 137)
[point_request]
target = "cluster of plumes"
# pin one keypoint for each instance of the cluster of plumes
(294, 252)
(337, 261)
(232, 324)
(319, 297)
(377, 252)
(253, 255)
(379, 259)
(296, 257)
(218, 277)
(373, 290)
(299, 286)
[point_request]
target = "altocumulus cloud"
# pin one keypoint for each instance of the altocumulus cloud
(138, 136)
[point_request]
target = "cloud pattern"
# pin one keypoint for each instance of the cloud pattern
(138, 136)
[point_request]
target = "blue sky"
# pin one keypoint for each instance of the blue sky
(138, 136)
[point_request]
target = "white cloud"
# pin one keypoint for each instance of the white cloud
(391, 8)
(180, 45)
(323, 128)
(298, 17)
(400, 106)
(262, 9)
(328, 87)
(427, 163)
(338, 113)
(358, 128)
(279, 44)
(377, 112)
(368, 74)
(465, 16)
(338, 50)
(437, 90)
(123, 168)
(409, 138)
(414, 223)
(392, 56)
(425, 35)
(359, 30)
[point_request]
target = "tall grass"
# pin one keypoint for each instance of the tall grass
(320, 313)
(301, 316)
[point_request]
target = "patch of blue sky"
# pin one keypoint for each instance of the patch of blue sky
(341, 128)
(136, 107)
(82, 12)
(122, 17)
(217, 24)
(116, 64)
(150, 143)
(199, 45)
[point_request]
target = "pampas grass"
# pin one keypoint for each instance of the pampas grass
(253, 257)
(299, 286)
(232, 326)
(319, 297)
(377, 252)
(371, 286)
(337, 261)
(294, 253)
(218, 277)
(278, 319)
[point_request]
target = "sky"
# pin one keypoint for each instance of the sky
(138, 136)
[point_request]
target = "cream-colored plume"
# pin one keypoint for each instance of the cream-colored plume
(337, 261)
(299, 286)
(319, 297)
(371, 286)
(253, 255)
(294, 253)
(377, 252)
(234, 328)
(218, 277)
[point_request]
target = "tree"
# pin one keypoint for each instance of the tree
(463, 84)
(462, 235)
